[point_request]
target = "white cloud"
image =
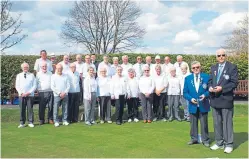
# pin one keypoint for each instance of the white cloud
(187, 37)
(225, 23)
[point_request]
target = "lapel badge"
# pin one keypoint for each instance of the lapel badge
(226, 77)
(204, 85)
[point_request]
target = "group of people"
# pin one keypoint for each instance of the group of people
(117, 84)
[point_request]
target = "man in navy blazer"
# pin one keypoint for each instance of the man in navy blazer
(223, 81)
(195, 91)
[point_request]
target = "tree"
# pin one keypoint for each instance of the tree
(10, 27)
(104, 26)
(238, 41)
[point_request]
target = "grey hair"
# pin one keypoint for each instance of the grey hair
(221, 49)
(179, 56)
(22, 65)
(158, 66)
(90, 68)
(125, 56)
(119, 67)
(131, 70)
(172, 68)
(195, 62)
(146, 66)
(115, 58)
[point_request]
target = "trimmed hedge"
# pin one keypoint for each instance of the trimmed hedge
(10, 65)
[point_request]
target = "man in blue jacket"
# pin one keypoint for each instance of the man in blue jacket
(196, 92)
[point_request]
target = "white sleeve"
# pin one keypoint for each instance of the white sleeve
(68, 85)
(36, 66)
(53, 85)
(18, 84)
(34, 85)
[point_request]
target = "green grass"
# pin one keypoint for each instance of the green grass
(133, 140)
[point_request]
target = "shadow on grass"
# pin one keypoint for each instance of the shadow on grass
(239, 138)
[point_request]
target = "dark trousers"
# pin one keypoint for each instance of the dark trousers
(132, 108)
(119, 104)
(194, 126)
(146, 106)
(223, 126)
(73, 106)
(159, 107)
(23, 103)
(105, 108)
(46, 98)
(81, 93)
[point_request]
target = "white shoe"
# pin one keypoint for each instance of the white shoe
(216, 147)
(136, 120)
(56, 124)
(31, 125)
(164, 119)
(21, 126)
(93, 122)
(228, 150)
(109, 122)
(65, 123)
(129, 120)
(102, 121)
(155, 119)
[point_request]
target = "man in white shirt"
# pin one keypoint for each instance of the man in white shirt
(46, 96)
(43, 58)
(178, 64)
(174, 91)
(60, 86)
(65, 64)
(25, 86)
(105, 64)
(73, 94)
(167, 65)
(79, 68)
(126, 66)
(138, 67)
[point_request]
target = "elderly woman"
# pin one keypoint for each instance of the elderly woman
(161, 83)
(118, 92)
(132, 96)
(90, 90)
(104, 96)
(146, 87)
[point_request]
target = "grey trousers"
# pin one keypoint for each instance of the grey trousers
(57, 103)
(194, 126)
(89, 106)
(173, 102)
(146, 106)
(105, 108)
(46, 98)
(23, 103)
(184, 103)
(223, 126)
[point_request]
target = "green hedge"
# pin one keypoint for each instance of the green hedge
(10, 65)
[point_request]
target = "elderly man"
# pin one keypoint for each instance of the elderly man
(46, 96)
(60, 86)
(53, 61)
(148, 61)
(105, 64)
(196, 92)
(79, 68)
(223, 81)
(177, 65)
(74, 94)
(126, 66)
(138, 67)
(65, 64)
(43, 58)
(167, 65)
(25, 86)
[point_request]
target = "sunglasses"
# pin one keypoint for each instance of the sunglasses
(221, 55)
(196, 67)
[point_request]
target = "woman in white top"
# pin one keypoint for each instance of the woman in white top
(146, 88)
(184, 102)
(174, 91)
(161, 83)
(132, 96)
(104, 95)
(118, 92)
(90, 89)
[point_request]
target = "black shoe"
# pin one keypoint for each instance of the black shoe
(206, 144)
(41, 123)
(192, 142)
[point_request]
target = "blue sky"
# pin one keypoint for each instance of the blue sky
(188, 27)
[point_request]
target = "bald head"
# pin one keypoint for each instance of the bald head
(66, 59)
(148, 59)
(167, 59)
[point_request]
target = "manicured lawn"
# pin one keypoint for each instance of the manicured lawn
(132, 140)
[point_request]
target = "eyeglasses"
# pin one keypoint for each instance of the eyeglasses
(223, 55)
(146, 70)
(197, 67)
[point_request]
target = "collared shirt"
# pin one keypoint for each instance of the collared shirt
(79, 67)
(118, 86)
(166, 68)
(133, 87)
(104, 86)
(146, 84)
(126, 67)
(160, 82)
(74, 80)
(113, 69)
(107, 67)
(24, 85)
(221, 67)
(85, 69)
(59, 84)
(174, 85)
(90, 86)
(197, 81)
(66, 67)
(138, 67)
(44, 81)
(39, 62)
